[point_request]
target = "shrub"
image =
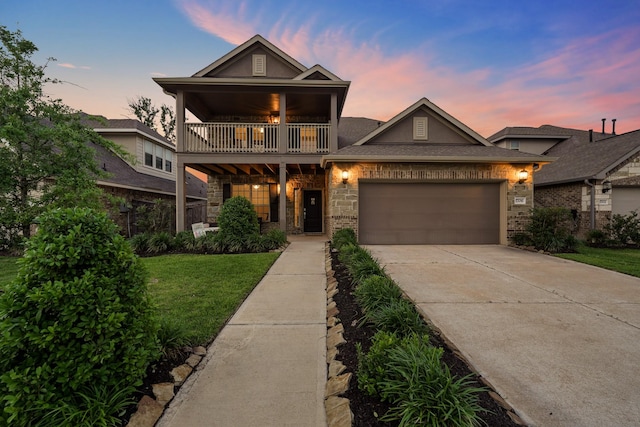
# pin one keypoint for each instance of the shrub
(372, 364)
(238, 219)
(422, 390)
(375, 292)
(400, 317)
(343, 237)
(184, 241)
(160, 243)
(550, 230)
(77, 316)
(624, 229)
(274, 239)
(362, 265)
(596, 238)
(140, 243)
(522, 239)
(346, 253)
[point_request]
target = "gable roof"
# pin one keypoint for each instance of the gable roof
(320, 70)
(257, 39)
(544, 132)
(123, 175)
(424, 102)
(579, 160)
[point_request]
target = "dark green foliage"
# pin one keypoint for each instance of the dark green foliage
(372, 365)
(346, 252)
(550, 230)
(77, 316)
(344, 237)
(375, 292)
(184, 241)
(160, 243)
(171, 336)
(238, 219)
(423, 391)
(274, 239)
(624, 229)
(361, 265)
(522, 239)
(48, 160)
(156, 217)
(399, 316)
(596, 238)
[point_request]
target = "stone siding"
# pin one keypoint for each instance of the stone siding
(343, 198)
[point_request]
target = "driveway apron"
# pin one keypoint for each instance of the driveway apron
(559, 340)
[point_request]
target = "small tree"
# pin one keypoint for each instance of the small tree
(239, 225)
(550, 229)
(77, 318)
(47, 161)
(143, 108)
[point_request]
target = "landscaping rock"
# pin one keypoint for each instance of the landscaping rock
(338, 412)
(163, 392)
(193, 360)
(338, 385)
(181, 373)
(336, 367)
(148, 413)
(199, 350)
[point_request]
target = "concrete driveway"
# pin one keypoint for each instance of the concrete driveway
(559, 340)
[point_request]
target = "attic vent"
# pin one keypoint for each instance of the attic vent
(259, 65)
(420, 129)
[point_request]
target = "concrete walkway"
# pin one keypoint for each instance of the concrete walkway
(559, 340)
(267, 367)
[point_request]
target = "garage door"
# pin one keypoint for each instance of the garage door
(429, 213)
(625, 200)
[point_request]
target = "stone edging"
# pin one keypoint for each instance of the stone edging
(149, 409)
(337, 408)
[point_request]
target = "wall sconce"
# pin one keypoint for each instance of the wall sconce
(256, 186)
(523, 175)
(345, 176)
(606, 186)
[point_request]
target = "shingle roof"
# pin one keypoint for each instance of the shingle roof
(352, 129)
(432, 153)
(122, 174)
(129, 124)
(579, 160)
(545, 131)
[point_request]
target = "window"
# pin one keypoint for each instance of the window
(514, 145)
(420, 130)
(159, 158)
(258, 195)
(259, 65)
(148, 153)
(167, 162)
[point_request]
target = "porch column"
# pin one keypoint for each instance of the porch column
(181, 202)
(282, 208)
(333, 142)
(283, 137)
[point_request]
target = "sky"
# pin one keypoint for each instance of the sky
(490, 64)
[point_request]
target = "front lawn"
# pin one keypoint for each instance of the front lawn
(195, 294)
(622, 260)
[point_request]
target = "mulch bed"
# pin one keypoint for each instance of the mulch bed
(367, 409)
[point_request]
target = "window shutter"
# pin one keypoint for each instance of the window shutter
(259, 65)
(420, 130)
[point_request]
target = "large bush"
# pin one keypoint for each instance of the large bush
(238, 220)
(77, 318)
(624, 229)
(551, 229)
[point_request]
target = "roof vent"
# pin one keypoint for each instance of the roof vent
(603, 120)
(613, 130)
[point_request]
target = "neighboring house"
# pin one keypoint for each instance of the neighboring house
(271, 130)
(149, 178)
(595, 175)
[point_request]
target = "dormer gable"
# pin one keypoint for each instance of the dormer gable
(255, 58)
(424, 122)
(318, 72)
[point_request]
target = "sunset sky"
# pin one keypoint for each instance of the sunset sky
(490, 64)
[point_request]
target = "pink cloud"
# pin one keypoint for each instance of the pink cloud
(574, 86)
(72, 66)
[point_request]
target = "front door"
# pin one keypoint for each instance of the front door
(313, 211)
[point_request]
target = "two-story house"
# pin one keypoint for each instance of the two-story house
(272, 130)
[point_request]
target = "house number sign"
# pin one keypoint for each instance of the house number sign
(519, 200)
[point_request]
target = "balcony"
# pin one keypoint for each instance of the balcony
(301, 138)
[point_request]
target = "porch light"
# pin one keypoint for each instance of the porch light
(256, 186)
(606, 186)
(522, 176)
(345, 176)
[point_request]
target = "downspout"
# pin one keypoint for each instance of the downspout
(593, 203)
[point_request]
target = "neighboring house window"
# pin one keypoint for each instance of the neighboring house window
(148, 153)
(514, 145)
(259, 65)
(159, 158)
(420, 129)
(167, 162)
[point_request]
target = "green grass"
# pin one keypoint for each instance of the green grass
(8, 270)
(622, 260)
(198, 293)
(195, 294)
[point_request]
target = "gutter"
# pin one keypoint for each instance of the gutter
(593, 203)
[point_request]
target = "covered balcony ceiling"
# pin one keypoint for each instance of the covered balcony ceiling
(265, 170)
(208, 106)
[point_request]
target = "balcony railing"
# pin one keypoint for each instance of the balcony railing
(309, 138)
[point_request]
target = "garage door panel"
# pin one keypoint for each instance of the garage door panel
(625, 200)
(428, 213)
